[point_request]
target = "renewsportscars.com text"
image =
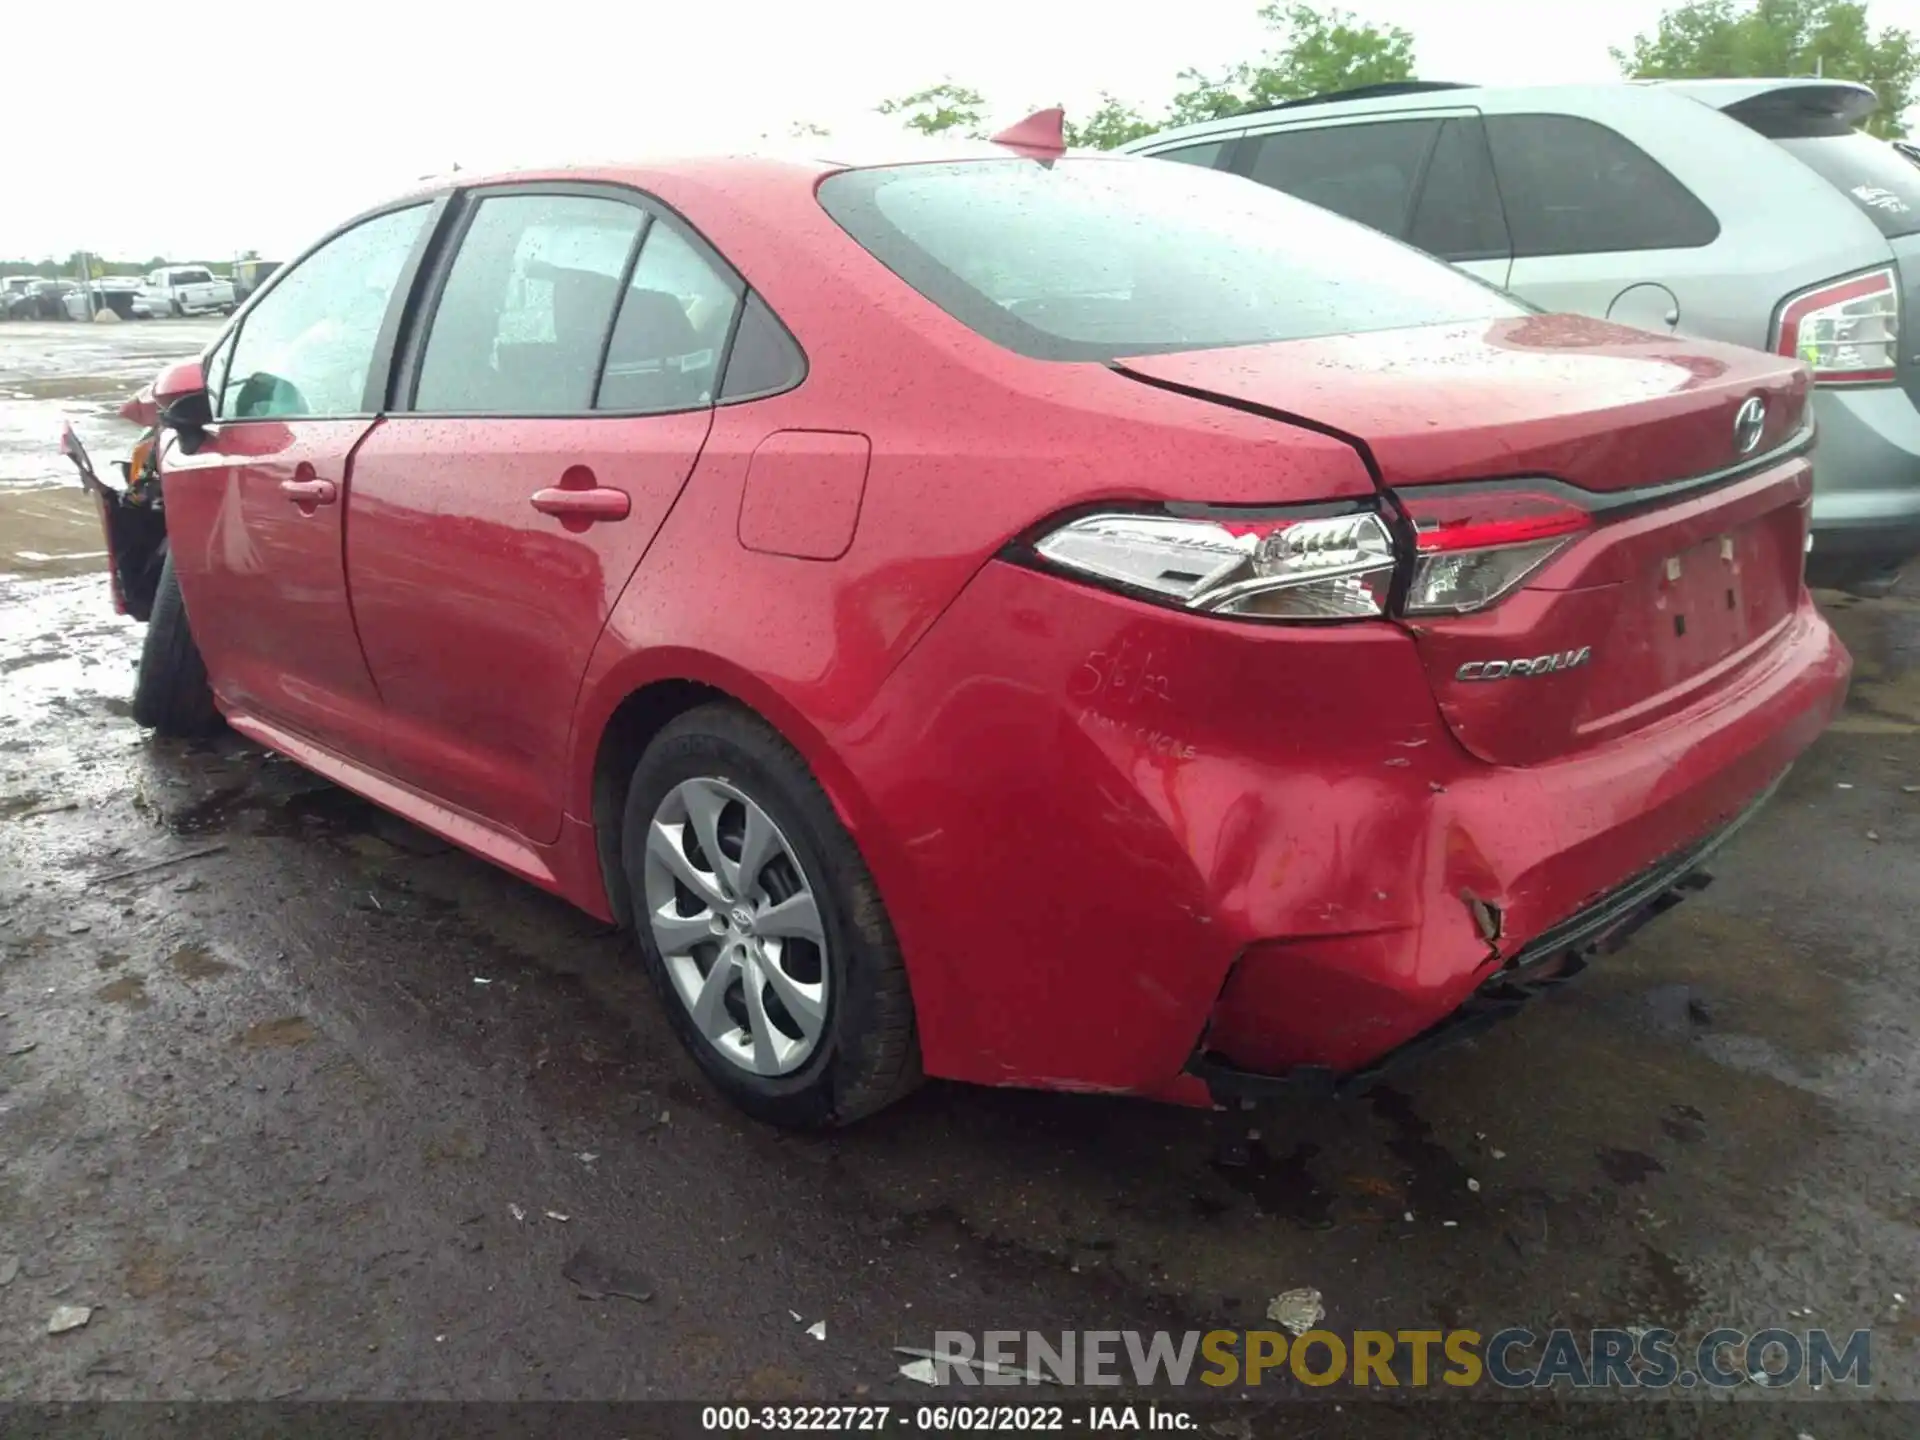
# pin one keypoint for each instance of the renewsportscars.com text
(1515, 1358)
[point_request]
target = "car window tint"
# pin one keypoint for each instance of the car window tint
(765, 359)
(1574, 187)
(1096, 259)
(307, 348)
(524, 314)
(1877, 178)
(1365, 172)
(1206, 156)
(1458, 213)
(674, 319)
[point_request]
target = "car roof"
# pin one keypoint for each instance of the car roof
(805, 161)
(1846, 99)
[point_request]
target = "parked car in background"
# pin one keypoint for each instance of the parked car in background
(782, 557)
(14, 288)
(111, 292)
(184, 290)
(1745, 210)
(44, 299)
(250, 275)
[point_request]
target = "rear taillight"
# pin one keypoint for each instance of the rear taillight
(1470, 545)
(1474, 544)
(1299, 566)
(1847, 330)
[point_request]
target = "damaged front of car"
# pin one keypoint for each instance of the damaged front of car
(132, 514)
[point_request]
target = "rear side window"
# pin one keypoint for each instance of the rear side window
(1573, 187)
(765, 359)
(674, 319)
(1364, 172)
(1458, 215)
(1206, 156)
(527, 306)
(1877, 178)
(1094, 259)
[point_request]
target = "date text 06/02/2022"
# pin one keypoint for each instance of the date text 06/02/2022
(945, 1419)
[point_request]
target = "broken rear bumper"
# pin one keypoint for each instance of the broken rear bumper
(1545, 963)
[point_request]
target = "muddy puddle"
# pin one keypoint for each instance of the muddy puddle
(52, 374)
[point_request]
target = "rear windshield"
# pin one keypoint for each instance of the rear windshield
(1872, 174)
(1096, 259)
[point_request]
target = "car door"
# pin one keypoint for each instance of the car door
(255, 511)
(1423, 177)
(548, 412)
(1599, 226)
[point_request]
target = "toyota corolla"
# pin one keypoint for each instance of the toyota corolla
(1026, 617)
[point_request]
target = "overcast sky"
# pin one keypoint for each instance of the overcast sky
(216, 129)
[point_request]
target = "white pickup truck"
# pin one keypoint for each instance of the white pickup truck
(183, 290)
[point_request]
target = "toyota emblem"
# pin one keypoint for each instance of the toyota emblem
(1749, 424)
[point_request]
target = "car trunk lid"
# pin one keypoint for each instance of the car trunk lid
(1690, 561)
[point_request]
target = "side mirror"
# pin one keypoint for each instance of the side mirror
(181, 396)
(141, 409)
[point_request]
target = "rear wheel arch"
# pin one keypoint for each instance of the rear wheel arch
(623, 740)
(647, 709)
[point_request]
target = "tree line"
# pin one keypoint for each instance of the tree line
(1319, 52)
(1316, 52)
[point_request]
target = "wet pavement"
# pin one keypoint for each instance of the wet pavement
(52, 372)
(306, 1103)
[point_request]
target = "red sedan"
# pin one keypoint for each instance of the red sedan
(1035, 619)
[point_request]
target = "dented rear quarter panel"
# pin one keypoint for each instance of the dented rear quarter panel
(1080, 808)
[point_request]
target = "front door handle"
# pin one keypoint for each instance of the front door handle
(597, 503)
(309, 493)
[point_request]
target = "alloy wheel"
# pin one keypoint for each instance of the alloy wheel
(734, 917)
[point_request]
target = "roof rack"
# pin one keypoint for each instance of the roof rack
(1365, 92)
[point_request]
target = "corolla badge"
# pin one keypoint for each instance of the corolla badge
(1517, 669)
(1749, 424)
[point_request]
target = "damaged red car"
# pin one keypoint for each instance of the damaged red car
(1029, 618)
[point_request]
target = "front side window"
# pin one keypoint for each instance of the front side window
(674, 319)
(1095, 259)
(1364, 172)
(1574, 187)
(217, 366)
(524, 316)
(308, 347)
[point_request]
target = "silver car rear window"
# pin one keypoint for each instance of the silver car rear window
(1093, 259)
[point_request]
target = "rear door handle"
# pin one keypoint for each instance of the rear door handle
(598, 503)
(308, 493)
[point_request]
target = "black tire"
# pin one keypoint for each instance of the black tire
(171, 694)
(868, 1055)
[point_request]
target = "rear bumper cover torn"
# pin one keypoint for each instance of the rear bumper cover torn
(1546, 962)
